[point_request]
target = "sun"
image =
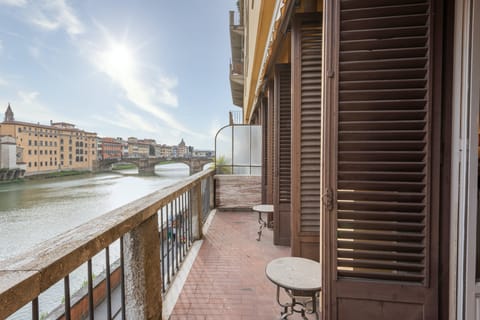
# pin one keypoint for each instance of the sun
(117, 60)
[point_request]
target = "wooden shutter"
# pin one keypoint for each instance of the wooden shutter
(282, 182)
(306, 118)
(384, 228)
(270, 142)
(267, 146)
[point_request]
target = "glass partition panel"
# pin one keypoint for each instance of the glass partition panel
(238, 150)
(241, 145)
(256, 146)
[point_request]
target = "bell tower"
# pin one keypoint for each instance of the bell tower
(9, 114)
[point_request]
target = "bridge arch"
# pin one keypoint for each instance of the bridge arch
(147, 165)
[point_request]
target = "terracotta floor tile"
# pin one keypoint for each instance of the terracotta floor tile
(227, 280)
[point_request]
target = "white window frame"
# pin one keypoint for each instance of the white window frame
(464, 291)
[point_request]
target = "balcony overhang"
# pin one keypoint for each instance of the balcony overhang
(236, 86)
(236, 42)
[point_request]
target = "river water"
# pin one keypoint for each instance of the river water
(34, 211)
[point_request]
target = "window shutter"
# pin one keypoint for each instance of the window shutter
(270, 147)
(306, 120)
(384, 156)
(283, 132)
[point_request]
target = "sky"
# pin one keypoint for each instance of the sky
(148, 69)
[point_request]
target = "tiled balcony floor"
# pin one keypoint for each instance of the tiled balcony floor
(227, 280)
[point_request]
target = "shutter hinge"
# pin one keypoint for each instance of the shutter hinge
(330, 73)
(327, 199)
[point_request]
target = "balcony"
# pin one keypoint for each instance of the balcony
(211, 267)
(236, 66)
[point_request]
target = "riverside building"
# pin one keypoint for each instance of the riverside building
(48, 148)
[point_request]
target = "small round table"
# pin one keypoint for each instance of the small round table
(300, 279)
(267, 208)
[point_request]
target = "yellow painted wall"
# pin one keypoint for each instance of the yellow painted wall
(259, 17)
(43, 147)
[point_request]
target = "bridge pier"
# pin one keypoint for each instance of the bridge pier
(196, 165)
(145, 167)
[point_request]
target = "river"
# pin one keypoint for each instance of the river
(34, 211)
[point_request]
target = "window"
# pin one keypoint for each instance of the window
(29, 164)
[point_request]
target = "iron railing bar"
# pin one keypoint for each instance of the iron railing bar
(162, 248)
(35, 309)
(191, 214)
(122, 268)
(91, 307)
(109, 285)
(177, 249)
(170, 250)
(66, 285)
(177, 224)
(183, 225)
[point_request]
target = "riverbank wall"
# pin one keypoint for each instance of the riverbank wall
(79, 300)
(7, 175)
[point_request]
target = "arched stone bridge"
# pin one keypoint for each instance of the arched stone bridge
(147, 165)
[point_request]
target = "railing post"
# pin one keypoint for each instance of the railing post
(211, 185)
(197, 221)
(143, 283)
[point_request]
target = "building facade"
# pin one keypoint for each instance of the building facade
(111, 148)
(48, 148)
(138, 148)
(182, 150)
(370, 116)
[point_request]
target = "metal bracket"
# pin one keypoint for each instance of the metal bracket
(327, 199)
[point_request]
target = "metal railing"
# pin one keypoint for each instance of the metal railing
(155, 234)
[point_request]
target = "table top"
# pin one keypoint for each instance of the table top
(295, 273)
(263, 208)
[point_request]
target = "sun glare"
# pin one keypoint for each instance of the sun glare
(118, 59)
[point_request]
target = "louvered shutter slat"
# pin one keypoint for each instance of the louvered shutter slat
(283, 154)
(310, 126)
(383, 148)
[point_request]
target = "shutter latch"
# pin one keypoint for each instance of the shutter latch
(327, 199)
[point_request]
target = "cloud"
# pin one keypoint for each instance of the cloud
(27, 97)
(14, 3)
(27, 107)
(3, 82)
(128, 120)
(49, 15)
(54, 15)
(117, 61)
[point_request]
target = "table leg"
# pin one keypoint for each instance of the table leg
(262, 225)
(289, 307)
